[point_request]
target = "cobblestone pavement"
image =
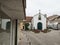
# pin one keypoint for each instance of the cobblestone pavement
(4, 38)
(31, 38)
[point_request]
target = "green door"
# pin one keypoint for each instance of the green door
(39, 26)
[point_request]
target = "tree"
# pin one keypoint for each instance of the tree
(26, 26)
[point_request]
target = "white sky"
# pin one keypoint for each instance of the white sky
(48, 7)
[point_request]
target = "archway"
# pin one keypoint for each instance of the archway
(39, 26)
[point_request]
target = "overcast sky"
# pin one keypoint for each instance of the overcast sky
(48, 7)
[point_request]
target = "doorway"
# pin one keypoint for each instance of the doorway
(39, 26)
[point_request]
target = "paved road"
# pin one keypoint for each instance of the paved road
(31, 38)
(4, 38)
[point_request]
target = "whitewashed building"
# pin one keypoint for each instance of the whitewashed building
(39, 21)
(54, 22)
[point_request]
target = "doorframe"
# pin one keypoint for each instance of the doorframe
(13, 34)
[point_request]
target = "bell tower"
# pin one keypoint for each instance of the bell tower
(39, 15)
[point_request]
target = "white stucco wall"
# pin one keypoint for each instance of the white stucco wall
(4, 21)
(53, 24)
(29, 25)
(35, 21)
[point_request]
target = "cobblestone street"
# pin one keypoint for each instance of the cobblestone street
(31, 38)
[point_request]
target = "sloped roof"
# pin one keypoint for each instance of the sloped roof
(56, 18)
(52, 17)
(29, 18)
(45, 15)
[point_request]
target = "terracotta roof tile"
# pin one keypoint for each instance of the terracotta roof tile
(28, 18)
(52, 17)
